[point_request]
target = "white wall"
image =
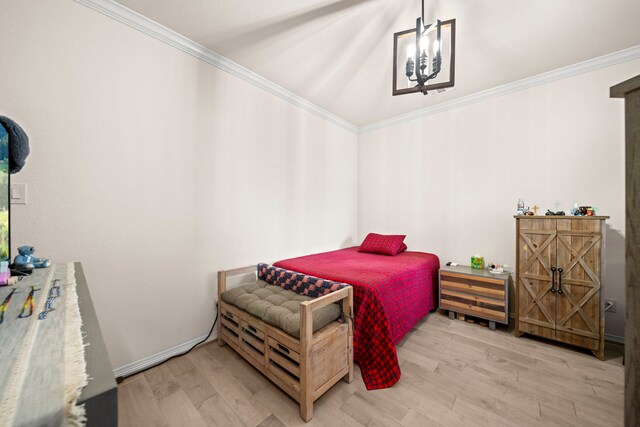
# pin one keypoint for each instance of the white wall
(451, 181)
(156, 170)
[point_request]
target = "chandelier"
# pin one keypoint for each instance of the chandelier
(426, 54)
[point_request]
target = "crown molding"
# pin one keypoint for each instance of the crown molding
(158, 31)
(529, 82)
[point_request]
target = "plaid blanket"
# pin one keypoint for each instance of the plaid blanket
(391, 294)
(297, 282)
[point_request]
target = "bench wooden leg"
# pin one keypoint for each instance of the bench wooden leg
(348, 315)
(306, 378)
(222, 286)
(349, 377)
(306, 411)
(220, 340)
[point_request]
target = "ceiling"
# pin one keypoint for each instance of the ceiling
(338, 54)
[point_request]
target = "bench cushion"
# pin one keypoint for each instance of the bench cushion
(277, 306)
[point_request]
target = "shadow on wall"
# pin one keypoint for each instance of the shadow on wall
(348, 243)
(613, 280)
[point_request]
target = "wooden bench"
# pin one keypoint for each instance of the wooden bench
(304, 368)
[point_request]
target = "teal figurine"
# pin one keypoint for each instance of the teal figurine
(27, 260)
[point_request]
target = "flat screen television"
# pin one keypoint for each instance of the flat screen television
(5, 236)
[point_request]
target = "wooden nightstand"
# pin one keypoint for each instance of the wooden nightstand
(475, 292)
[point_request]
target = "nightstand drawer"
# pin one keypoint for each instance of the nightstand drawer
(486, 308)
(487, 287)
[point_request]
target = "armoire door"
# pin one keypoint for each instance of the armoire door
(578, 295)
(536, 257)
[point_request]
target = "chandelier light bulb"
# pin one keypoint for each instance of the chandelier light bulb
(424, 43)
(436, 46)
(411, 50)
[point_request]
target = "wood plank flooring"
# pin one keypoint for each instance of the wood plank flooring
(454, 373)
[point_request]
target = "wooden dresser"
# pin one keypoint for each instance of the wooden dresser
(475, 292)
(559, 262)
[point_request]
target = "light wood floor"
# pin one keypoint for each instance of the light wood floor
(453, 373)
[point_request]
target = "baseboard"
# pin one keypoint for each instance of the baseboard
(142, 364)
(614, 338)
(148, 361)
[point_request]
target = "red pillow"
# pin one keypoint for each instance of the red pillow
(403, 248)
(382, 244)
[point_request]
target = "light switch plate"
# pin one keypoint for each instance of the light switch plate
(18, 194)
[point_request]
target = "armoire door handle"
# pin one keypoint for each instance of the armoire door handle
(553, 280)
(560, 281)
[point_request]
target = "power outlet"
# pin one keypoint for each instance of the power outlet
(611, 303)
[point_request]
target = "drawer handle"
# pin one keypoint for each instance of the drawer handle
(283, 348)
(252, 329)
(553, 280)
(229, 315)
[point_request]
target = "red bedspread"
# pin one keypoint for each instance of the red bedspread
(391, 294)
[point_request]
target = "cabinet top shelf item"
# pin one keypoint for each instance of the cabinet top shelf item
(559, 217)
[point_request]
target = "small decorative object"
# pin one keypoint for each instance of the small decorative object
(477, 262)
(520, 210)
(27, 260)
(54, 292)
(550, 213)
(28, 303)
(495, 268)
(575, 209)
(5, 304)
(587, 211)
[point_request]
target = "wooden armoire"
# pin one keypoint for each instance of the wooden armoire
(559, 263)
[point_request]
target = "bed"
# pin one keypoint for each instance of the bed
(391, 294)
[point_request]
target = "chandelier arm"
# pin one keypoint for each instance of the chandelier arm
(419, 76)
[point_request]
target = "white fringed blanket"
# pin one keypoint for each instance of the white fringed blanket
(42, 366)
